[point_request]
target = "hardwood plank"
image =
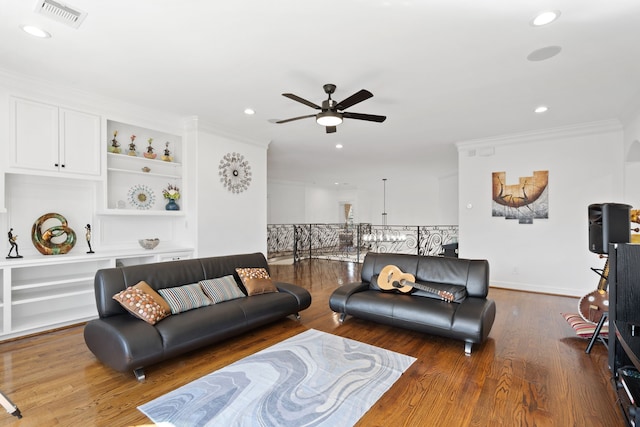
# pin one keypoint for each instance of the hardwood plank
(532, 371)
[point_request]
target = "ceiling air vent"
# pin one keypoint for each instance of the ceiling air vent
(61, 12)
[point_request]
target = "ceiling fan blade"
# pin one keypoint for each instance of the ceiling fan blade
(295, 118)
(368, 117)
(302, 100)
(331, 129)
(354, 99)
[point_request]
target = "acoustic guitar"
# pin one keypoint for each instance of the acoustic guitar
(595, 303)
(392, 278)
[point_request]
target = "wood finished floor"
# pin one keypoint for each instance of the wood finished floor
(532, 371)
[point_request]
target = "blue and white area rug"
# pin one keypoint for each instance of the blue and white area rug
(311, 379)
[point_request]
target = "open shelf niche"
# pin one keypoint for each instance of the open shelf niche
(134, 183)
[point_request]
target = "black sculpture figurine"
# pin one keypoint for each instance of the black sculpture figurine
(14, 245)
(88, 236)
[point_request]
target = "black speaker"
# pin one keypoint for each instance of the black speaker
(608, 223)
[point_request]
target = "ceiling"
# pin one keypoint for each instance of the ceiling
(442, 71)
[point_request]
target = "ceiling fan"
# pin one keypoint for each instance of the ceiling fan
(332, 112)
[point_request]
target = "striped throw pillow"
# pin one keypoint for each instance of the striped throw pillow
(221, 289)
(582, 328)
(184, 298)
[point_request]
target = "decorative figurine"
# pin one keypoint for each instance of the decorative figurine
(115, 145)
(150, 154)
(14, 245)
(88, 236)
(167, 154)
(132, 146)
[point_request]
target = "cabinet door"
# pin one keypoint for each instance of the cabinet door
(79, 142)
(35, 144)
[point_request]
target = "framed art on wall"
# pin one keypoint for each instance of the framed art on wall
(524, 201)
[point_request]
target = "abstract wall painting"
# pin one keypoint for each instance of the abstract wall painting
(524, 201)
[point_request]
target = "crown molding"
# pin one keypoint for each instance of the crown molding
(220, 130)
(592, 128)
(48, 91)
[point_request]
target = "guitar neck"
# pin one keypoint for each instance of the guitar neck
(604, 277)
(441, 294)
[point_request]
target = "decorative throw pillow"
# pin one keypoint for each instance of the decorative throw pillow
(185, 298)
(142, 304)
(146, 288)
(221, 289)
(256, 281)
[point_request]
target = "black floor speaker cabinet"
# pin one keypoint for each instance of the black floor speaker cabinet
(624, 327)
(608, 223)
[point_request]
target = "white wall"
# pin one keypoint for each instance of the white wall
(448, 200)
(321, 205)
(230, 223)
(412, 198)
(551, 255)
(286, 203)
(632, 164)
(299, 203)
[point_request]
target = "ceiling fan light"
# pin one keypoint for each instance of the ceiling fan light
(328, 118)
(545, 18)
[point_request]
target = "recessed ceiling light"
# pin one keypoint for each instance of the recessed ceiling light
(545, 18)
(35, 31)
(338, 146)
(249, 111)
(541, 109)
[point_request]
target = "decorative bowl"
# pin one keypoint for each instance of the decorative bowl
(149, 243)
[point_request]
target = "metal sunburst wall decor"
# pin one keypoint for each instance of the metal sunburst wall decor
(235, 172)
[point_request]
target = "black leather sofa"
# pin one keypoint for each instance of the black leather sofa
(469, 318)
(126, 343)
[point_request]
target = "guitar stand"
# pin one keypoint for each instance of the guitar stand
(596, 333)
(9, 406)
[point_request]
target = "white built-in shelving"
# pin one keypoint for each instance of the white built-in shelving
(60, 159)
(44, 292)
(130, 172)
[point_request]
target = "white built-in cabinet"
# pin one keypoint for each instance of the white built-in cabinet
(49, 138)
(53, 291)
(42, 292)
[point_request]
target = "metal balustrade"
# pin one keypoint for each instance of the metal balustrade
(351, 242)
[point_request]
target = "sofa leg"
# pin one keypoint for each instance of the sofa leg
(342, 317)
(139, 373)
(297, 316)
(467, 348)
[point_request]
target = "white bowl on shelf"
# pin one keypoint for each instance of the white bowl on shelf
(149, 243)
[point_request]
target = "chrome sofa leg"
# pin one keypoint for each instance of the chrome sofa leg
(467, 348)
(342, 317)
(139, 373)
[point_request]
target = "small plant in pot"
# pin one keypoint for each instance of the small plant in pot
(171, 193)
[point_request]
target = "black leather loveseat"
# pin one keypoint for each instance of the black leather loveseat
(127, 343)
(469, 318)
